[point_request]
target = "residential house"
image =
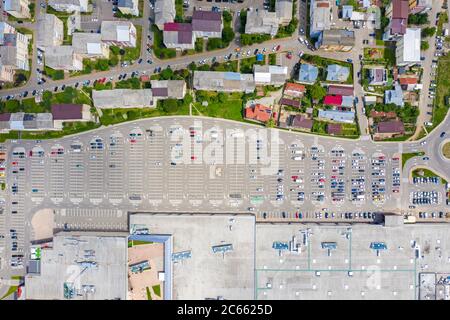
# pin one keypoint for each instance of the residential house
(13, 48)
(332, 100)
(63, 58)
(320, 17)
(289, 102)
(223, 81)
(26, 121)
(69, 5)
(340, 90)
(308, 73)
(407, 51)
(337, 73)
(301, 122)
(394, 96)
(119, 33)
(168, 89)
(164, 12)
(334, 129)
(336, 40)
(383, 115)
(123, 98)
(50, 31)
(397, 11)
(179, 36)
(258, 112)
(130, 7)
(410, 83)
(389, 129)
(420, 6)
(370, 100)
(70, 113)
(90, 45)
(6, 73)
(377, 76)
(261, 21)
(270, 75)
(18, 8)
(337, 116)
(294, 90)
(207, 24)
(4, 124)
(284, 8)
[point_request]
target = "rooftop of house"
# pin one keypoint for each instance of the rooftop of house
(180, 33)
(393, 126)
(258, 112)
(207, 21)
(67, 111)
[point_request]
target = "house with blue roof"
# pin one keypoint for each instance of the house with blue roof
(394, 96)
(347, 12)
(308, 73)
(337, 73)
(337, 116)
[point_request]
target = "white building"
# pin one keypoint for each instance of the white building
(90, 45)
(17, 8)
(69, 5)
(119, 33)
(408, 47)
(270, 75)
(63, 58)
(50, 31)
(164, 12)
(261, 21)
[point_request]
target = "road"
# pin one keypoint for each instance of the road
(424, 100)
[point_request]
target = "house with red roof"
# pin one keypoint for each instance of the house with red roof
(389, 129)
(258, 112)
(340, 90)
(178, 36)
(333, 100)
(295, 90)
(398, 11)
(409, 83)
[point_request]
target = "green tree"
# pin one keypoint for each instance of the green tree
(428, 32)
(102, 65)
(424, 45)
(418, 18)
(316, 91)
(166, 74)
(227, 35)
(270, 123)
(170, 105)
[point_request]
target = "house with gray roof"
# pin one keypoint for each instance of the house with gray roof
(119, 33)
(337, 73)
(261, 21)
(69, 5)
(164, 12)
(168, 89)
(283, 8)
(394, 96)
(50, 31)
(320, 17)
(90, 45)
(130, 7)
(336, 40)
(337, 116)
(347, 12)
(308, 73)
(63, 58)
(223, 81)
(270, 75)
(123, 98)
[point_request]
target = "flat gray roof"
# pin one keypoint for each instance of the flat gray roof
(91, 265)
(207, 274)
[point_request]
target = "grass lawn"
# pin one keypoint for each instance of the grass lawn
(427, 173)
(446, 150)
(54, 74)
(407, 156)
(157, 290)
(11, 290)
(401, 138)
(440, 108)
(246, 65)
(149, 295)
(273, 59)
(229, 109)
(134, 53)
(114, 116)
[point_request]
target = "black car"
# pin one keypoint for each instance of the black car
(34, 92)
(149, 61)
(442, 134)
(77, 84)
(140, 61)
(56, 89)
(25, 94)
(63, 87)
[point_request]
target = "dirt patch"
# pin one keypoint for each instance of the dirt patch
(43, 223)
(145, 285)
(446, 150)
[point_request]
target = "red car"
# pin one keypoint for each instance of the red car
(193, 157)
(294, 177)
(289, 55)
(278, 47)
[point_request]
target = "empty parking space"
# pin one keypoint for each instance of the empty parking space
(77, 183)
(116, 161)
(38, 174)
(57, 173)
